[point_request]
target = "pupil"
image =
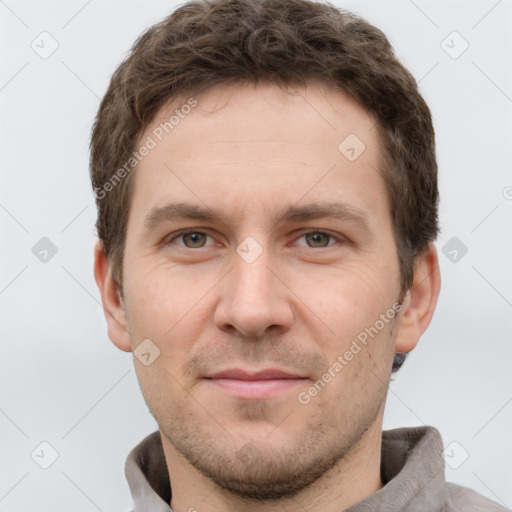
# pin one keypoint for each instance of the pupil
(317, 237)
(194, 237)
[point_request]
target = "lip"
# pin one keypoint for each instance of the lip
(256, 385)
(268, 373)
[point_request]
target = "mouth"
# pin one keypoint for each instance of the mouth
(256, 385)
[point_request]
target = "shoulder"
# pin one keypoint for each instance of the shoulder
(463, 499)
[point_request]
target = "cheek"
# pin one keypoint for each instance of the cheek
(348, 299)
(358, 339)
(163, 296)
(170, 309)
(366, 366)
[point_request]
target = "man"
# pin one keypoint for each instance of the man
(266, 184)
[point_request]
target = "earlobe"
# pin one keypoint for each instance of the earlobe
(113, 306)
(420, 302)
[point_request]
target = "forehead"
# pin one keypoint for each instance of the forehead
(325, 114)
(263, 144)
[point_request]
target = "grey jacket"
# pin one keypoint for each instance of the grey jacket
(412, 469)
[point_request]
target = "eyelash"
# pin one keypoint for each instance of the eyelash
(189, 231)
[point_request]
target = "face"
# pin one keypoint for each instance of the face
(258, 254)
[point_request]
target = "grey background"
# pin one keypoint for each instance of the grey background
(61, 379)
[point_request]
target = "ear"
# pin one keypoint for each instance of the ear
(420, 301)
(113, 306)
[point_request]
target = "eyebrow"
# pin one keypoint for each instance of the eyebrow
(318, 210)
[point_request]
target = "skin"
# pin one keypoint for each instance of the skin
(249, 151)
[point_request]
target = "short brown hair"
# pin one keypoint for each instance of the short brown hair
(207, 43)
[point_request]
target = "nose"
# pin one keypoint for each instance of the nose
(254, 299)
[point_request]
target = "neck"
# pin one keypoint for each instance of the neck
(352, 479)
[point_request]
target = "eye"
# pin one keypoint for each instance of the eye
(197, 239)
(318, 239)
(191, 239)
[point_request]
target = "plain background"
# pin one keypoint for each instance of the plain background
(61, 379)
